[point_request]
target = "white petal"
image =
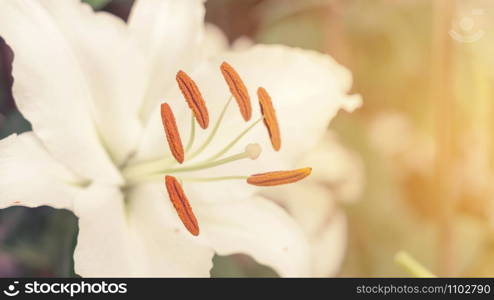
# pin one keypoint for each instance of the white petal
(29, 176)
(51, 91)
(113, 68)
(166, 247)
(259, 228)
(308, 202)
(217, 192)
(242, 43)
(329, 246)
(143, 239)
(103, 242)
(169, 32)
(336, 167)
(314, 207)
(215, 41)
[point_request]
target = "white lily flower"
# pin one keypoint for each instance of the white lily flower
(92, 87)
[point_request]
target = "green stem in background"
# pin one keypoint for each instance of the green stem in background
(97, 4)
(412, 266)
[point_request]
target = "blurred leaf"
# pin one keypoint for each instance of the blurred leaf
(41, 240)
(303, 30)
(13, 123)
(97, 4)
(225, 266)
(239, 265)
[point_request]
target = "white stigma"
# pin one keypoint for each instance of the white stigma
(253, 151)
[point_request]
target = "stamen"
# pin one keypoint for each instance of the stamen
(194, 98)
(270, 119)
(182, 205)
(238, 90)
(172, 134)
(278, 177)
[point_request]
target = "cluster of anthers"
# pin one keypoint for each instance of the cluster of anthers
(200, 115)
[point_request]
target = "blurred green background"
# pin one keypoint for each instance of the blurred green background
(424, 69)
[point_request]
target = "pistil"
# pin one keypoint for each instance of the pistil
(252, 151)
(234, 141)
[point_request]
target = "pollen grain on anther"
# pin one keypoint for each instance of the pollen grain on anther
(238, 90)
(278, 177)
(270, 119)
(182, 205)
(172, 133)
(194, 98)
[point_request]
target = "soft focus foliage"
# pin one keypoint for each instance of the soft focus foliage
(97, 4)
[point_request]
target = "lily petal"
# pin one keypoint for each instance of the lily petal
(341, 170)
(169, 32)
(143, 239)
(259, 228)
(31, 177)
(214, 42)
(112, 66)
(167, 249)
(103, 242)
(51, 90)
(329, 246)
(314, 207)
